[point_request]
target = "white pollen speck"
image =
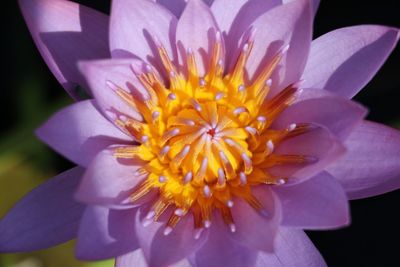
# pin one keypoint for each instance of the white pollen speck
(232, 227)
(207, 223)
(162, 179)
(167, 230)
(292, 127)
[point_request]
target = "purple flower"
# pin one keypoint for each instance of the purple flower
(215, 134)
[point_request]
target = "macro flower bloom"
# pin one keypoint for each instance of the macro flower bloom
(215, 132)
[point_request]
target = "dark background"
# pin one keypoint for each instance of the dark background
(29, 93)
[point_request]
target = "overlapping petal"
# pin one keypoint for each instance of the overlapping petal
(46, 217)
(318, 203)
(338, 115)
(109, 181)
(371, 164)
(249, 222)
(292, 249)
(106, 233)
(161, 250)
(289, 24)
(354, 55)
(79, 132)
(196, 18)
(65, 33)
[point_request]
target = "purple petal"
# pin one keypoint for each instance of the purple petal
(339, 115)
(318, 203)
(344, 61)
(249, 222)
(372, 164)
(235, 17)
(321, 147)
(221, 250)
(196, 30)
(161, 250)
(109, 181)
(46, 217)
(133, 26)
(106, 233)
(294, 29)
(65, 33)
(80, 132)
(292, 249)
(134, 258)
(177, 6)
(100, 73)
(315, 4)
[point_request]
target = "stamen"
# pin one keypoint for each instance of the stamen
(202, 82)
(251, 130)
(292, 127)
(230, 203)
(202, 170)
(219, 96)
(221, 176)
(195, 104)
(164, 151)
(270, 146)
(261, 119)
(169, 134)
(247, 163)
(281, 181)
(155, 115)
(241, 88)
(197, 233)
(179, 212)
(171, 96)
(207, 224)
(232, 227)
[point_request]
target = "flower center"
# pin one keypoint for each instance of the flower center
(206, 141)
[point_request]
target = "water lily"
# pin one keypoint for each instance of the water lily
(215, 133)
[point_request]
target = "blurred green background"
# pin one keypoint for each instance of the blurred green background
(30, 93)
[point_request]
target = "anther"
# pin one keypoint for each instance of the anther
(202, 82)
(207, 223)
(245, 47)
(196, 105)
(207, 191)
(268, 82)
(155, 115)
(219, 96)
(270, 146)
(230, 203)
(247, 163)
(150, 215)
(251, 130)
(179, 212)
(241, 88)
(149, 69)
(261, 119)
(172, 96)
(162, 179)
(197, 233)
(221, 176)
(284, 49)
(292, 127)
(203, 168)
(281, 181)
(164, 151)
(167, 230)
(218, 37)
(188, 177)
(144, 139)
(232, 227)
(112, 86)
(243, 178)
(239, 110)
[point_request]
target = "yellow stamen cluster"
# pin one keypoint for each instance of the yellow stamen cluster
(206, 140)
